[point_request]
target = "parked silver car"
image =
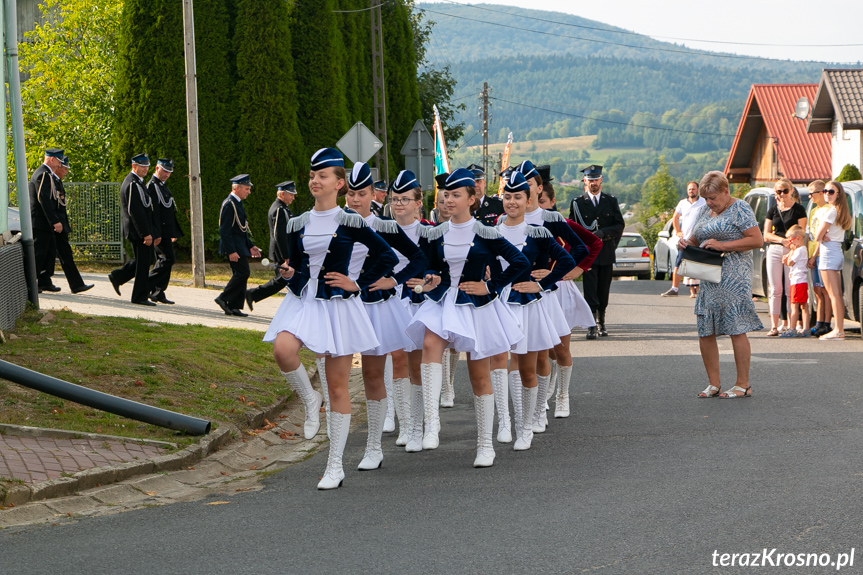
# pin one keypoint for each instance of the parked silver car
(14, 220)
(633, 257)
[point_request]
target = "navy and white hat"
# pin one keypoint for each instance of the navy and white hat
(64, 161)
(406, 180)
(327, 158)
(545, 173)
(592, 172)
(440, 180)
(242, 180)
(287, 186)
(527, 169)
(54, 153)
(478, 172)
(381, 185)
(166, 164)
(516, 183)
(460, 178)
(360, 176)
(140, 159)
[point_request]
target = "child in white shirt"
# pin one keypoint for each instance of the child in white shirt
(797, 259)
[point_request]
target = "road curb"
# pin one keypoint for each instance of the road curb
(19, 494)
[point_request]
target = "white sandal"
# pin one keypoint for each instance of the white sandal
(737, 392)
(711, 391)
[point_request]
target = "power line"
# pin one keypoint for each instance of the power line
(612, 121)
(361, 9)
(689, 52)
(627, 32)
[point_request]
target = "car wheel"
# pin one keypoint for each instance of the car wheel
(860, 304)
(657, 275)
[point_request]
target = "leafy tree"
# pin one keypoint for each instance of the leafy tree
(659, 195)
(70, 61)
(849, 172)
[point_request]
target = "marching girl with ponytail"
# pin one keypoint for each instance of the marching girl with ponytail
(574, 312)
(321, 310)
(389, 317)
(463, 311)
(524, 298)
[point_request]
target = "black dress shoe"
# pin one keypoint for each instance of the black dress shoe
(51, 288)
(602, 331)
(114, 284)
(83, 288)
(238, 313)
(144, 302)
(591, 332)
(161, 299)
(224, 305)
(249, 301)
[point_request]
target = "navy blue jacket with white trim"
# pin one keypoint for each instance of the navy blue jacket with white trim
(399, 241)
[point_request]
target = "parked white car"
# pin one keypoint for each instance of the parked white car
(665, 252)
(633, 257)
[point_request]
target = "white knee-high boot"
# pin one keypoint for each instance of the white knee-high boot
(322, 374)
(374, 455)
(484, 406)
(529, 401)
(539, 420)
(515, 393)
(402, 399)
(340, 425)
(389, 420)
(432, 374)
(415, 438)
(501, 401)
(447, 396)
(552, 383)
(299, 382)
(561, 405)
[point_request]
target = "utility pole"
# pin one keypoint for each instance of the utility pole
(485, 118)
(379, 89)
(195, 201)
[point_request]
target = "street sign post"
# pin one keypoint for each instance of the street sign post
(359, 144)
(419, 155)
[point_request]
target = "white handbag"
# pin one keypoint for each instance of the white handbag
(701, 264)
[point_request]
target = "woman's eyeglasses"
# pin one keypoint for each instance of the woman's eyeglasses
(405, 201)
(783, 191)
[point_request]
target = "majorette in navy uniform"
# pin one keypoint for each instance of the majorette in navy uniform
(463, 311)
(525, 299)
(382, 300)
(568, 296)
(321, 310)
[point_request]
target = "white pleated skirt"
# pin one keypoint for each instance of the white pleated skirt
(412, 309)
(332, 327)
(389, 319)
(575, 309)
(481, 331)
(538, 327)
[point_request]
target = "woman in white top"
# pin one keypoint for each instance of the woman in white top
(830, 236)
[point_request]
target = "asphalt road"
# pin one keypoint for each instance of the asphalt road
(642, 478)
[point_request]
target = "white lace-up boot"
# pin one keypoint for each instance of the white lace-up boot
(447, 396)
(340, 425)
(529, 401)
(484, 406)
(552, 382)
(402, 399)
(561, 403)
(501, 401)
(415, 431)
(389, 420)
(299, 382)
(515, 393)
(374, 455)
(322, 374)
(432, 374)
(539, 421)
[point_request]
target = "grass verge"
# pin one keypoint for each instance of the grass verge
(212, 373)
(216, 272)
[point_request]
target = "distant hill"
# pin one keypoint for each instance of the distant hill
(548, 74)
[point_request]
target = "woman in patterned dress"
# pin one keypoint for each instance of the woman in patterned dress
(729, 226)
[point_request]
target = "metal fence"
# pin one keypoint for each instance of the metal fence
(94, 214)
(13, 286)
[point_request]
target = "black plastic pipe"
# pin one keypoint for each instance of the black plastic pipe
(103, 401)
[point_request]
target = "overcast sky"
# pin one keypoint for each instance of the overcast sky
(797, 22)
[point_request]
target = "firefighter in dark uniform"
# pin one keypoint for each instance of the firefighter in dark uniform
(379, 199)
(236, 243)
(600, 214)
(277, 217)
(490, 207)
(64, 250)
(166, 217)
(46, 221)
(141, 229)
